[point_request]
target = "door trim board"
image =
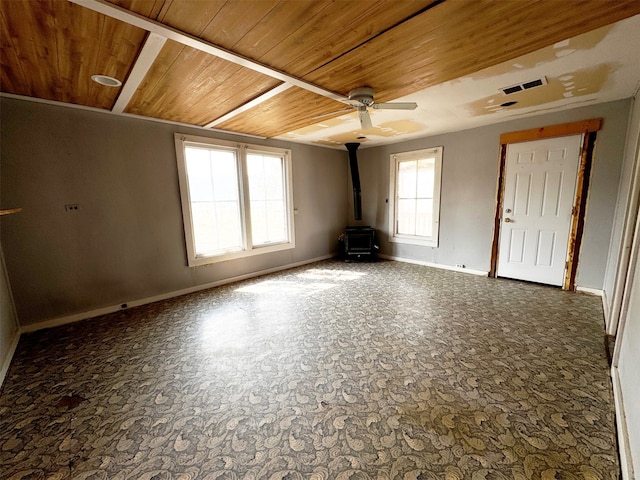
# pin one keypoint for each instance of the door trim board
(552, 131)
(580, 209)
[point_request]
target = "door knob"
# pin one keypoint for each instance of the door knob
(507, 220)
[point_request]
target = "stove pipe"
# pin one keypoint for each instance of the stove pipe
(355, 179)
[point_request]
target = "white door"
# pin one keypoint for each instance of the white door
(539, 192)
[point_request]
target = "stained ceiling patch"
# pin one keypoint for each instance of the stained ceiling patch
(571, 84)
(390, 129)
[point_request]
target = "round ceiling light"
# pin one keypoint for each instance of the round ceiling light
(106, 80)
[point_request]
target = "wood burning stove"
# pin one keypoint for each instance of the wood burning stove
(359, 243)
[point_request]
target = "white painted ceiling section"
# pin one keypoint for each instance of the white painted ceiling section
(599, 66)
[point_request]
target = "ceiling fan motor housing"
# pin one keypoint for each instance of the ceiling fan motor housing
(364, 95)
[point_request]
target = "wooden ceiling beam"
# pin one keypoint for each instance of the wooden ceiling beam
(134, 19)
(249, 105)
(148, 54)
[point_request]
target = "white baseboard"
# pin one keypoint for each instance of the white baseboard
(592, 291)
(624, 448)
(8, 356)
(55, 322)
(605, 304)
(435, 265)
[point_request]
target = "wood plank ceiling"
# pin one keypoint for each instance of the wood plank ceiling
(51, 48)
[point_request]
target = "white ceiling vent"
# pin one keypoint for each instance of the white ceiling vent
(538, 82)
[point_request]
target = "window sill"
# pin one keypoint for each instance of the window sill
(223, 257)
(424, 242)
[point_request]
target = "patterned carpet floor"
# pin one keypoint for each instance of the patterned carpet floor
(330, 371)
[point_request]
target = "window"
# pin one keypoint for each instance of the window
(415, 197)
(236, 199)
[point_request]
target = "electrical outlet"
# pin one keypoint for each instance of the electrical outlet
(71, 207)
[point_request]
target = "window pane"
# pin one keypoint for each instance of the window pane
(259, 233)
(267, 194)
(224, 171)
(426, 173)
(215, 202)
(256, 174)
(407, 179)
(204, 226)
(406, 224)
(229, 230)
(424, 217)
(274, 176)
(199, 171)
(276, 221)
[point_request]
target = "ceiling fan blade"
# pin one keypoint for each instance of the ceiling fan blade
(395, 106)
(353, 103)
(365, 119)
(322, 115)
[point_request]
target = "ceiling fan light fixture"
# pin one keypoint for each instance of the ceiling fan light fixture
(106, 80)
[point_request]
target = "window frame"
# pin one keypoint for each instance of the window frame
(394, 161)
(241, 150)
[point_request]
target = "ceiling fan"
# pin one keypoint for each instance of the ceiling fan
(360, 99)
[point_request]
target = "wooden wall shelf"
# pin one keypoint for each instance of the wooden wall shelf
(10, 210)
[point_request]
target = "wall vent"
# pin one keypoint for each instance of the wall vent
(538, 82)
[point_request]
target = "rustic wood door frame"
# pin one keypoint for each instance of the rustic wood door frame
(589, 129)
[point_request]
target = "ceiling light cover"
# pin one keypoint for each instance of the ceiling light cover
(106, 80)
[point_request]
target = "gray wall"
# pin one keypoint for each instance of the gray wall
(623, 224)
(468, 195)
(126, 241)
